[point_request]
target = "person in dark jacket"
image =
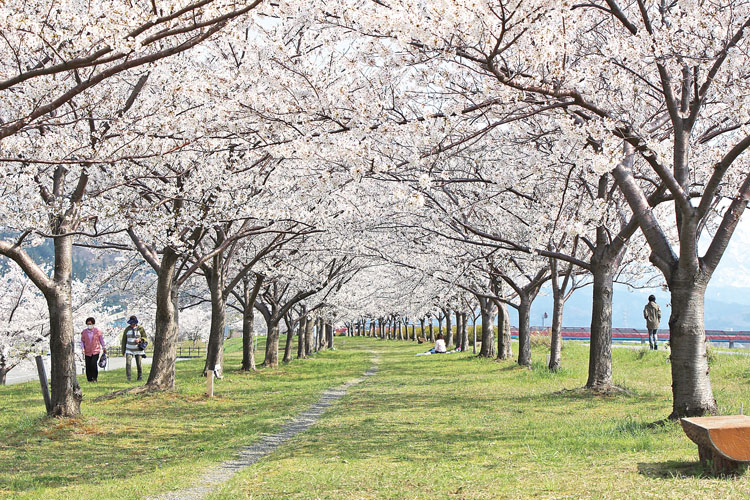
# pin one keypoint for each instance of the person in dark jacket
(132, 335)
(652, 315)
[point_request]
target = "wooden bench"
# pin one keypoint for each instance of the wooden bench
(723, 442)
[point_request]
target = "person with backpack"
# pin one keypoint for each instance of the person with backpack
(92, 345)
(652, 315)
(131, 338)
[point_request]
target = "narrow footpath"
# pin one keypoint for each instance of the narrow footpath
(249, 455)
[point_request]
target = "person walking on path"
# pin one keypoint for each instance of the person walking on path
(92, 345)
(652, 314)
(132, 335)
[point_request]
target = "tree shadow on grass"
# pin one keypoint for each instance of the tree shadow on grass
(672, 469)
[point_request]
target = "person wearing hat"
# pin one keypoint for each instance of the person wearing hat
(92, 345)
(652, 315)
(132, 335)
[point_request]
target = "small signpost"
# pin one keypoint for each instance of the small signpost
(44, 383)
(210, 381)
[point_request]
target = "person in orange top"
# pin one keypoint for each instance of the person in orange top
(92, 345)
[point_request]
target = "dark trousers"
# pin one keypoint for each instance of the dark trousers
(92, 367)
(652, 338)
(128, 359)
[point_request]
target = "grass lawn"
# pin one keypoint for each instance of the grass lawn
(134, 446)
(429, 427)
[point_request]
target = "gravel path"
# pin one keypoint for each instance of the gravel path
(248, 455)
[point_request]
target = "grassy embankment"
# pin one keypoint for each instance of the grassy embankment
(443, 426)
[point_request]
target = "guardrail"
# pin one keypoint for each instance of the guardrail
(637, 335)
(182, 351)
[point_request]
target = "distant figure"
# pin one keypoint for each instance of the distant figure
(440, 345)
(652, 314)
(132, 335)
(92, 345)
(421, 340)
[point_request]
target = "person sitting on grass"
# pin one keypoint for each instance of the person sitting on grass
(439, 345)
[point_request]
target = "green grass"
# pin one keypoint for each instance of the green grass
(459, 427)
(429, 427)
(133, 446)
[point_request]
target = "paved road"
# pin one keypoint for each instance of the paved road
(27, 371)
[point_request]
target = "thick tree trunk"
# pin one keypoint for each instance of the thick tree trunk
(215, 347)
(432, 333)
(66, 394)
(329, 336)
(504, 346)
(448, 329)
(272, 346)
(488, 339)
(248, 337)
(162, 374)
(600, 350)
(289, 339)
(524, 333)
(322, 341)
(691, 384)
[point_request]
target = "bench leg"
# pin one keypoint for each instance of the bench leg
(717, 463)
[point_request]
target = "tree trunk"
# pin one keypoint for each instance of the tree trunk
(488, 345)
(329, 335)
(432, 333)
(555, 348)
(458, 331)
(66, 394)
(272, 345)
(215, 347)
(474, 334)
(301, 334)
(691, 384)
(309, 324)
(600, 350)
(289, 339)
(504, 346)
(248, 337)
(162, 374)
(464, 331)
(524, 333)
(448, 329)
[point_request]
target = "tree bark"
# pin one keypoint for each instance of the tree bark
(504, 346)
(248, 335)
(309, 324)
(524, 332)
(301, 329)
(215, 347)
(162, 374)
(66, 394)
(488, 345)
(555, 348)
(248, 322)
(272, 346)
(691, 384)
(600, 350)
(448, 328)
(289, 338)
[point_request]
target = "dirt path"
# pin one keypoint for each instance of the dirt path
(248, 455)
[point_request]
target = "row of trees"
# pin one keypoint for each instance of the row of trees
(379, 159)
